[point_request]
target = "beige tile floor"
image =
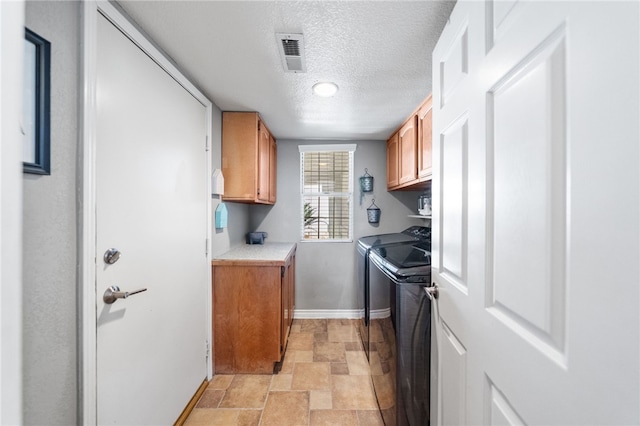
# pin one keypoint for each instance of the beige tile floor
(324, 380)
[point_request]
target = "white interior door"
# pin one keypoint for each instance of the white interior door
(151, 184)
(536, 219)
(11, 213)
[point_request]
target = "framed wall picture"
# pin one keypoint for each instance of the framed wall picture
(36, 112)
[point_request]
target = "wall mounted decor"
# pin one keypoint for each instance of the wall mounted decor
(222, 216)
(366, 184)
(36, 109)
(373, 212)
(217, 182)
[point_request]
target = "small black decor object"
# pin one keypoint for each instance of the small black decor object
(373, 212)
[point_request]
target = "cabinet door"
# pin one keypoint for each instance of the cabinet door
(424, 140)
(392, 161)
(264, 153)
(408, 146)
(292, 289)
(284, 312)
(246, 318)
(239, 161)
(273, 156)
(288, 295)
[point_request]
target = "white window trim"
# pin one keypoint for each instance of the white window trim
(351, 148)
(325, 148)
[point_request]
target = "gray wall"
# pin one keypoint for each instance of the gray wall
(326, 272)
(49, 250)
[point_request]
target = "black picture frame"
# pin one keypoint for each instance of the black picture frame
(37, 107)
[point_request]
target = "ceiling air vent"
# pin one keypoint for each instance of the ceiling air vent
(291, 47)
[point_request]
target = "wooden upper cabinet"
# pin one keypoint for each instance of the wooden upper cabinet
(264, 155)
(425, 119)
(273, 156)
(392, 161)
(248, 164)
(408, 149)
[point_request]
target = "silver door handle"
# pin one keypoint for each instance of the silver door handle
(432, 292)
(113, 293)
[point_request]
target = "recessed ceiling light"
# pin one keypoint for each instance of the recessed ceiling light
(325, 89)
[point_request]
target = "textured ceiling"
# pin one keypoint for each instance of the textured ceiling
(378, 52)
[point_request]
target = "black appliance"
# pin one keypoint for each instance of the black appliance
(401, 372)
(373, 295)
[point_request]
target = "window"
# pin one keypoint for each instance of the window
(326, 185)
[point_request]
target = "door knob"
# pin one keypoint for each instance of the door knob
(111, 256)
(113, 293)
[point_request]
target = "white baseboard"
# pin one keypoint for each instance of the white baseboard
(380, 313)
(328, 313)
(339, 313)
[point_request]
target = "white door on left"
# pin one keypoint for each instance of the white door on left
(151, 197)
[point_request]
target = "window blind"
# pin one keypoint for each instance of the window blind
(326, 184)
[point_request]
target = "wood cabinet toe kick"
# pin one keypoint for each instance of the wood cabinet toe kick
(253, 304)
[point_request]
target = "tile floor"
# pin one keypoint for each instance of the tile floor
(324, 380)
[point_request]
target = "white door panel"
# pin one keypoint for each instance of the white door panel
(152, 206)
(453, 379)
(526, 195)
(535, 241)
(453, 155)
(500, 411)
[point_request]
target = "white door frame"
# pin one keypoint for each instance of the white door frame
(87, 276)
(11, 52)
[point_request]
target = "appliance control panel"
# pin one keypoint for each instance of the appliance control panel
(419, 232)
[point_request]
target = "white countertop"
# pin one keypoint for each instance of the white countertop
(267, 252)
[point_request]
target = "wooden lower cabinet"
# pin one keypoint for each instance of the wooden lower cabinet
(253, 306)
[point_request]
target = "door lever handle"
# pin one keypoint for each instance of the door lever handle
(432, 292)
(113, 293)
